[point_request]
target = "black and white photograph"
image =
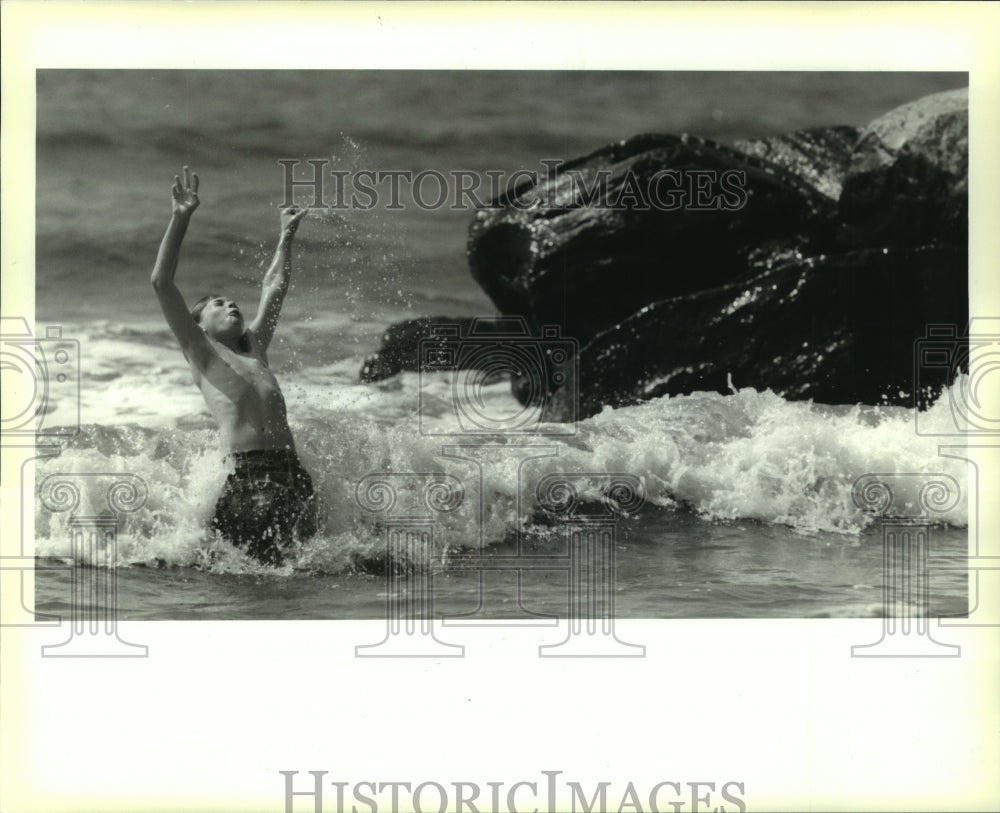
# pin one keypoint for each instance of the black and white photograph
(717, 294)
(563, 357)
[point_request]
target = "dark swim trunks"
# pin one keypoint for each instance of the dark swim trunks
(266, 501)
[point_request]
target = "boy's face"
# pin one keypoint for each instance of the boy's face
(221, 319)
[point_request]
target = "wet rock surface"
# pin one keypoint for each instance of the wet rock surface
(639, 221)
(835, 328)
(817, 157)
(808, 263)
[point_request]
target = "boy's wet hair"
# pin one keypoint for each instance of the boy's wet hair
(199, 306)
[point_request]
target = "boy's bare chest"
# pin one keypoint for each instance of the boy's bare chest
(252, 370)
(249, 366)
(241, 375)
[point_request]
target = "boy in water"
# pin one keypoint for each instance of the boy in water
(269, 496)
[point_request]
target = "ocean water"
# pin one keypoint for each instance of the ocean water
(748, 509)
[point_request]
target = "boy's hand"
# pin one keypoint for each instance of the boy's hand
(185, 195)
(290, 219)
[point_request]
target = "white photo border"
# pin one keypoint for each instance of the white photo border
(219, 708)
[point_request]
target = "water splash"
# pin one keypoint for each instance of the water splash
(750, 455)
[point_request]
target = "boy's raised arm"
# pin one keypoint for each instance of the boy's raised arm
(185, 201)
(276, 280)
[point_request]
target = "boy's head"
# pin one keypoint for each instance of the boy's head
(199, 306)
(219, 317)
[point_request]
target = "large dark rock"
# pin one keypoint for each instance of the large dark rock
(822, 304)
(814, 278)
(908, 177)
(547, 253)
(834, 328)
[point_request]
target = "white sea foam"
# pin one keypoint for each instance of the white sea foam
(749, 455)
